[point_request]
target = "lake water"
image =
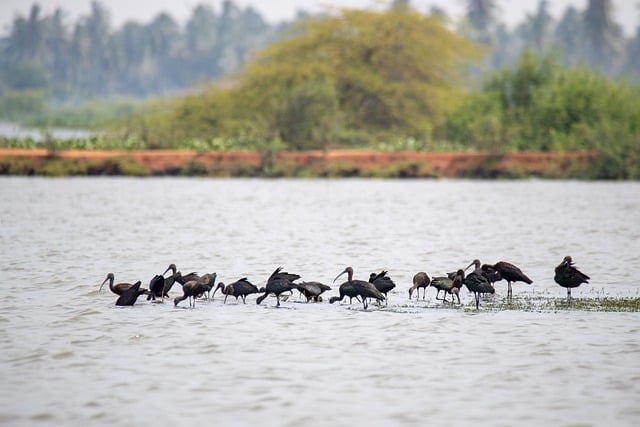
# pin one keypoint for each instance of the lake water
(68, 356)
(17, 131)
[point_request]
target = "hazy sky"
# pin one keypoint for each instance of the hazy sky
(627, 12)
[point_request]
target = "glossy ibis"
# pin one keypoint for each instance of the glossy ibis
(130, 296)
(420, 280)
(478, 284)
(208, 281)
(383, 283)
(511, 274)
(169, 282)
(118, 288)
(486, 270)
(312, 290)
(568, 276)
(346, 290)
(156, 287)
(192, 289)
(363, 289)
(442, 283)
(278, 283)
(446, 285)
(240, 288)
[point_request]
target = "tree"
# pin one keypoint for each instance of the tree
(569, 36)
(481, 16)
(603, 37)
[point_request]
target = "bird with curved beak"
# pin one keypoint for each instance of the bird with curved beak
(362, 288)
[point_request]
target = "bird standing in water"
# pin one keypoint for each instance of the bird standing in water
(568, 276)
(278, 283)
(420, 280)
(363, 289)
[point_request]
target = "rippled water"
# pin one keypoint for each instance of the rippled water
(68, 356)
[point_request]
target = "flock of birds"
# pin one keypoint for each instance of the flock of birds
(480, 281)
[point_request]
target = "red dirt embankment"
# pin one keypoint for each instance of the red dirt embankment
(337, 162)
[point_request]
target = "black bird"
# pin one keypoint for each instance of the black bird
(456, 285)
(312, 290)
(240, 288)
(568, 276)
(169, 282)
(442, 283)
(363, 289)
(346, 290)
(278, 283)
(208, 281)
(511, 274)
(477, 284)
(488, 271)
(118, 288)
(445, 284)
(156, 287)
(192, 289)
(182, 279)
(383, 283)
(130, 296)
(420, 280)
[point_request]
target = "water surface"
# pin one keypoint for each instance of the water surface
(69, 356)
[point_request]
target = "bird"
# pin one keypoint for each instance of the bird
(240, 288)
(118, 288)
(156, 287)
(345, 290)
(363, 289)
(191, 290)
(182, 279)
(510, 273)
(169, 282)
(383, 283)
(208, 280)
(312, 290)
(478, 284)
(442, 283)
(130, 296)
(420, 280)
(568, 276)
(278, 283)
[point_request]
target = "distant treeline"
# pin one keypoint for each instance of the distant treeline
(90, 58)
(43, 57)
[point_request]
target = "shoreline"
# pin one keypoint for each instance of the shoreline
(330, 163)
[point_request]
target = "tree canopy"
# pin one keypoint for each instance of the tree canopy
(347, 78)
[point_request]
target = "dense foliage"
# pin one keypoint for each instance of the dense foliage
(349, 80)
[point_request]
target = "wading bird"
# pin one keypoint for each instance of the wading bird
(383, 283)
(346, 290)
(118, 288)
(420, 280)
(192, 289)
(240, 288)
(278, 283)
(130, 296)
(568, 276)
(312, 290)
(363, 289)
(478, 284)
(156, 287)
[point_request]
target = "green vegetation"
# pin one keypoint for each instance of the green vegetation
(389, 80)
(350, 80)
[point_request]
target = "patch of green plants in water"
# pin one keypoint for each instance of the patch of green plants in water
(540, 303)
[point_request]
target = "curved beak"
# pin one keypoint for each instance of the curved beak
(334, 280)
(105, 281)
(220, 286)
(472, 263)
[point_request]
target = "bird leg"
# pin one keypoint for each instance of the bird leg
(278, 298)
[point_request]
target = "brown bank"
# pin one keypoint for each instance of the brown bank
(331, 163)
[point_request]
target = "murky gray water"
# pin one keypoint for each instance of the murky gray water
(68, 356)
